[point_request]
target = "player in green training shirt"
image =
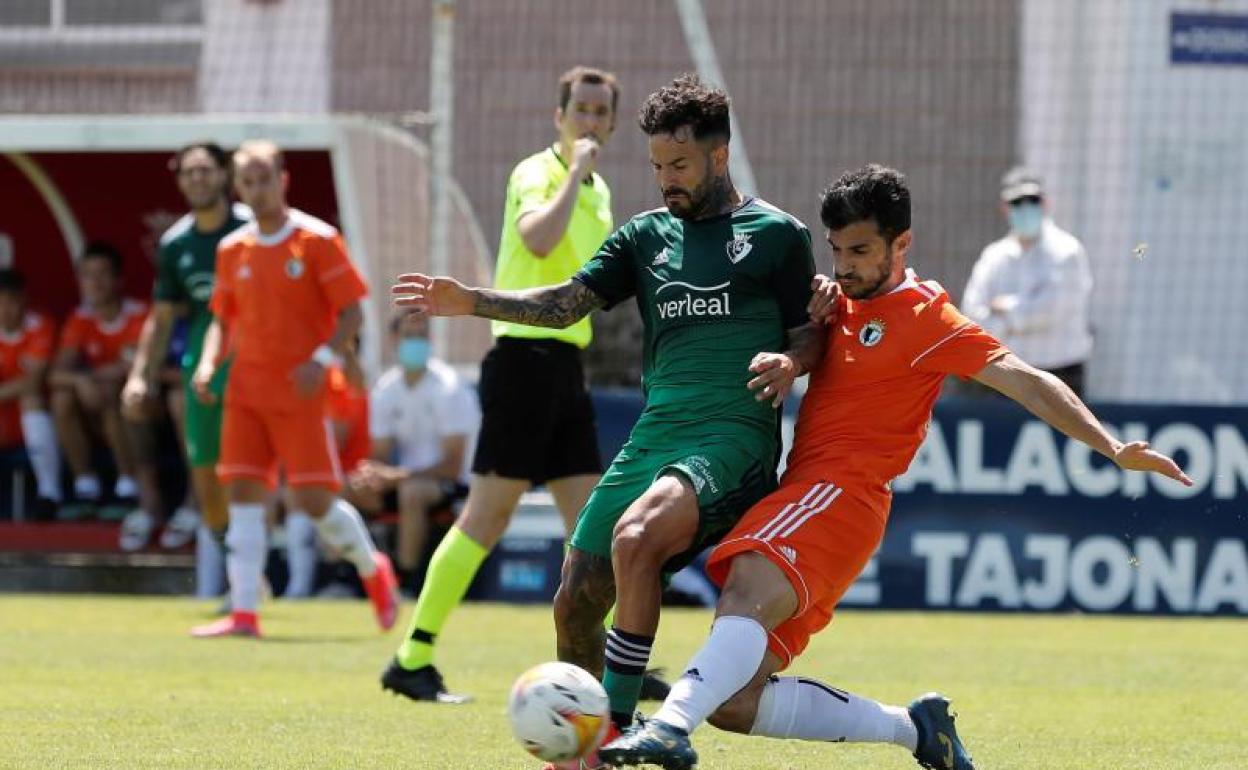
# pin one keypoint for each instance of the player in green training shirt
(184, 279)
(720, 280)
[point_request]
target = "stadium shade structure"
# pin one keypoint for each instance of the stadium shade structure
(366, 176)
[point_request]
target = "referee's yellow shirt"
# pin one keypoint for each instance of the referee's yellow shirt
(533, 183)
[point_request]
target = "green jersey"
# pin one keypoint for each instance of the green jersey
(712, 293)
(185, 270)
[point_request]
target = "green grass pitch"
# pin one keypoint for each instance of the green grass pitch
(114, 682)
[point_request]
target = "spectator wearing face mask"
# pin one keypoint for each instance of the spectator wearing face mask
(1032, 288)
(422, 419)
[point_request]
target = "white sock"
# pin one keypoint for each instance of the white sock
(300, 555)
(87, 488)
(40, 436)
(244, 561)
(796, 707)
(343, 529)
(724, 665)
(126, 487)
(209, 564)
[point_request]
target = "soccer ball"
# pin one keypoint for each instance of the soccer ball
(558, 711)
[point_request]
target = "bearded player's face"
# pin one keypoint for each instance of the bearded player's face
(684, 168)
(864, 260)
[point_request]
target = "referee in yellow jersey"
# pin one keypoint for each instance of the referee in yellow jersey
(537, 419)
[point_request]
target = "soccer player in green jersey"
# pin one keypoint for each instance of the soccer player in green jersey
(722, 281)
(184, 278)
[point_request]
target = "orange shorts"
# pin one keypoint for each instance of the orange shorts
(255, 440)
(821, 535)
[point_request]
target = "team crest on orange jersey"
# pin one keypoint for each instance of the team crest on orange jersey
(294, 268)
(871, 333)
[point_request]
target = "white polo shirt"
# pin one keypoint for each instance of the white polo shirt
(419, 417)
(1046, 290)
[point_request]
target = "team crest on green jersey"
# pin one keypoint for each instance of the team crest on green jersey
(739, 247)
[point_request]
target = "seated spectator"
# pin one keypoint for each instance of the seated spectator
(422, 417)
(26, 343)
(91, 364)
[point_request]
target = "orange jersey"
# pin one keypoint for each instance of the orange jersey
(280, 295)
(348, 405)
(33, 342)
(869, 402)
(99, 342)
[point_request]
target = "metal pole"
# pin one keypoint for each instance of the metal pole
(702, 48)
(442, 105)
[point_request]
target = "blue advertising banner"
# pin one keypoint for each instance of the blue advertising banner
(1209, 38)
(1000, 512)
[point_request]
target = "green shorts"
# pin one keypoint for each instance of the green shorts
(203, 421)
(729, 476)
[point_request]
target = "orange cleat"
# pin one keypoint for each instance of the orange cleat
(382, 588)
(235, 624)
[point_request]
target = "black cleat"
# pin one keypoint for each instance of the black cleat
(653, 687)
(939, 745)
(421, 684)
(651, 743)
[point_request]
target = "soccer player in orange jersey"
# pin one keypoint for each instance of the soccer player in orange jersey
(787, 563)
(287, 300)
(96, 347)
(27, 340)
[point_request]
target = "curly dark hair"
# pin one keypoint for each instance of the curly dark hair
(873, 192)
(687, 101)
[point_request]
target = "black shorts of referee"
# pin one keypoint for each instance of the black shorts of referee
(537, 420)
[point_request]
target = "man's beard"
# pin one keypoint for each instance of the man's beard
(208, 204)
(867, 291)
(704, 200)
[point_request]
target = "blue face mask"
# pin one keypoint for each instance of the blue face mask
(413, 353)
(1026, 220)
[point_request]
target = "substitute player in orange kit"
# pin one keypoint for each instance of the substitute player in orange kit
(287, 300)
(789, 561)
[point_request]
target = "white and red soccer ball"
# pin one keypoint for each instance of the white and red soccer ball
(558, 712)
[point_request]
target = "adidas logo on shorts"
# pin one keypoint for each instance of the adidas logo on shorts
(789, 553)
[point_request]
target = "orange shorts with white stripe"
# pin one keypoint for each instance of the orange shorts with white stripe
(821, 536)
(301, 439)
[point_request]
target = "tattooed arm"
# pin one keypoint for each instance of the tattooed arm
(551, 306)
(554, 306)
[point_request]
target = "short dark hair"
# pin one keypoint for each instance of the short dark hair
(592, 76)
(103, 250)
(215, 151)
(687, 101)
(873, 192)
(12, 281)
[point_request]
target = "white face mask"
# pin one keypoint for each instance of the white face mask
(1026, 220)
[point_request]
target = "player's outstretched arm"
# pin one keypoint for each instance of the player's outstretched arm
(1048, 398)
(550, 306)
